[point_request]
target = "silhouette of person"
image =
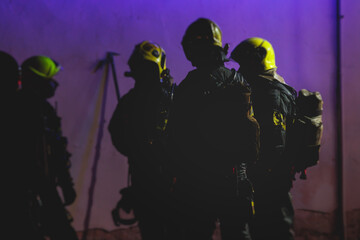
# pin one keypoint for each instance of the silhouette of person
(42, 157)
(138, 130)
(213, 138)
(274, 107)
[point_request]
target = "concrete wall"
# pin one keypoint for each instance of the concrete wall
(350, 36)
(78, 33)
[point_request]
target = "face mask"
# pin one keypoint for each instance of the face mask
(48, 88)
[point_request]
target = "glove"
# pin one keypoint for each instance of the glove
(69, 194)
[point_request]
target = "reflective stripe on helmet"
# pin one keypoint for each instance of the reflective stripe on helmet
(42, 66)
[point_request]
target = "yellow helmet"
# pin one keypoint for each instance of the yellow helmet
(42, 66)
(255, 52)
(202, 32)
(205, 30)
(147, 51)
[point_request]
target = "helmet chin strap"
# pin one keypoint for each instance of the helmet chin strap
(48, 90)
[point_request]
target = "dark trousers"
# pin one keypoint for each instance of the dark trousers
(55, 217)
(150, 208)
(20, 217)
(201, 226)
(234, 228)
(195, 216)
(151, 222)
(274, 217)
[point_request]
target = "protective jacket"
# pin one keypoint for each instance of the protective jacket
(138, 130)
(43, 164)
(211, 132)
(274, 109)
(42, 149)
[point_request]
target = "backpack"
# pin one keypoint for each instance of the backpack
(306, 131)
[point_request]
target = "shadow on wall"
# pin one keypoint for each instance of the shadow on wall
(323, 229)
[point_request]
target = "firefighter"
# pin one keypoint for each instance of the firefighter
(42, 156)
(9, 73)
(274, 108)
(138, 130)
(213, 139)
(15, 206)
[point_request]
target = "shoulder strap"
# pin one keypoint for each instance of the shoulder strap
(289, 91)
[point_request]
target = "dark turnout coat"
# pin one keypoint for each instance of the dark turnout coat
(274, 109)
(211, 132)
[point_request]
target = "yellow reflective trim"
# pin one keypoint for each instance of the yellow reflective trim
(279, 119)
(253, 207)
(251, 111)
(162, 128)
(166, 121)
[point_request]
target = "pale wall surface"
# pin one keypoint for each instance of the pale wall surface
(350, 39)
(78, 33)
